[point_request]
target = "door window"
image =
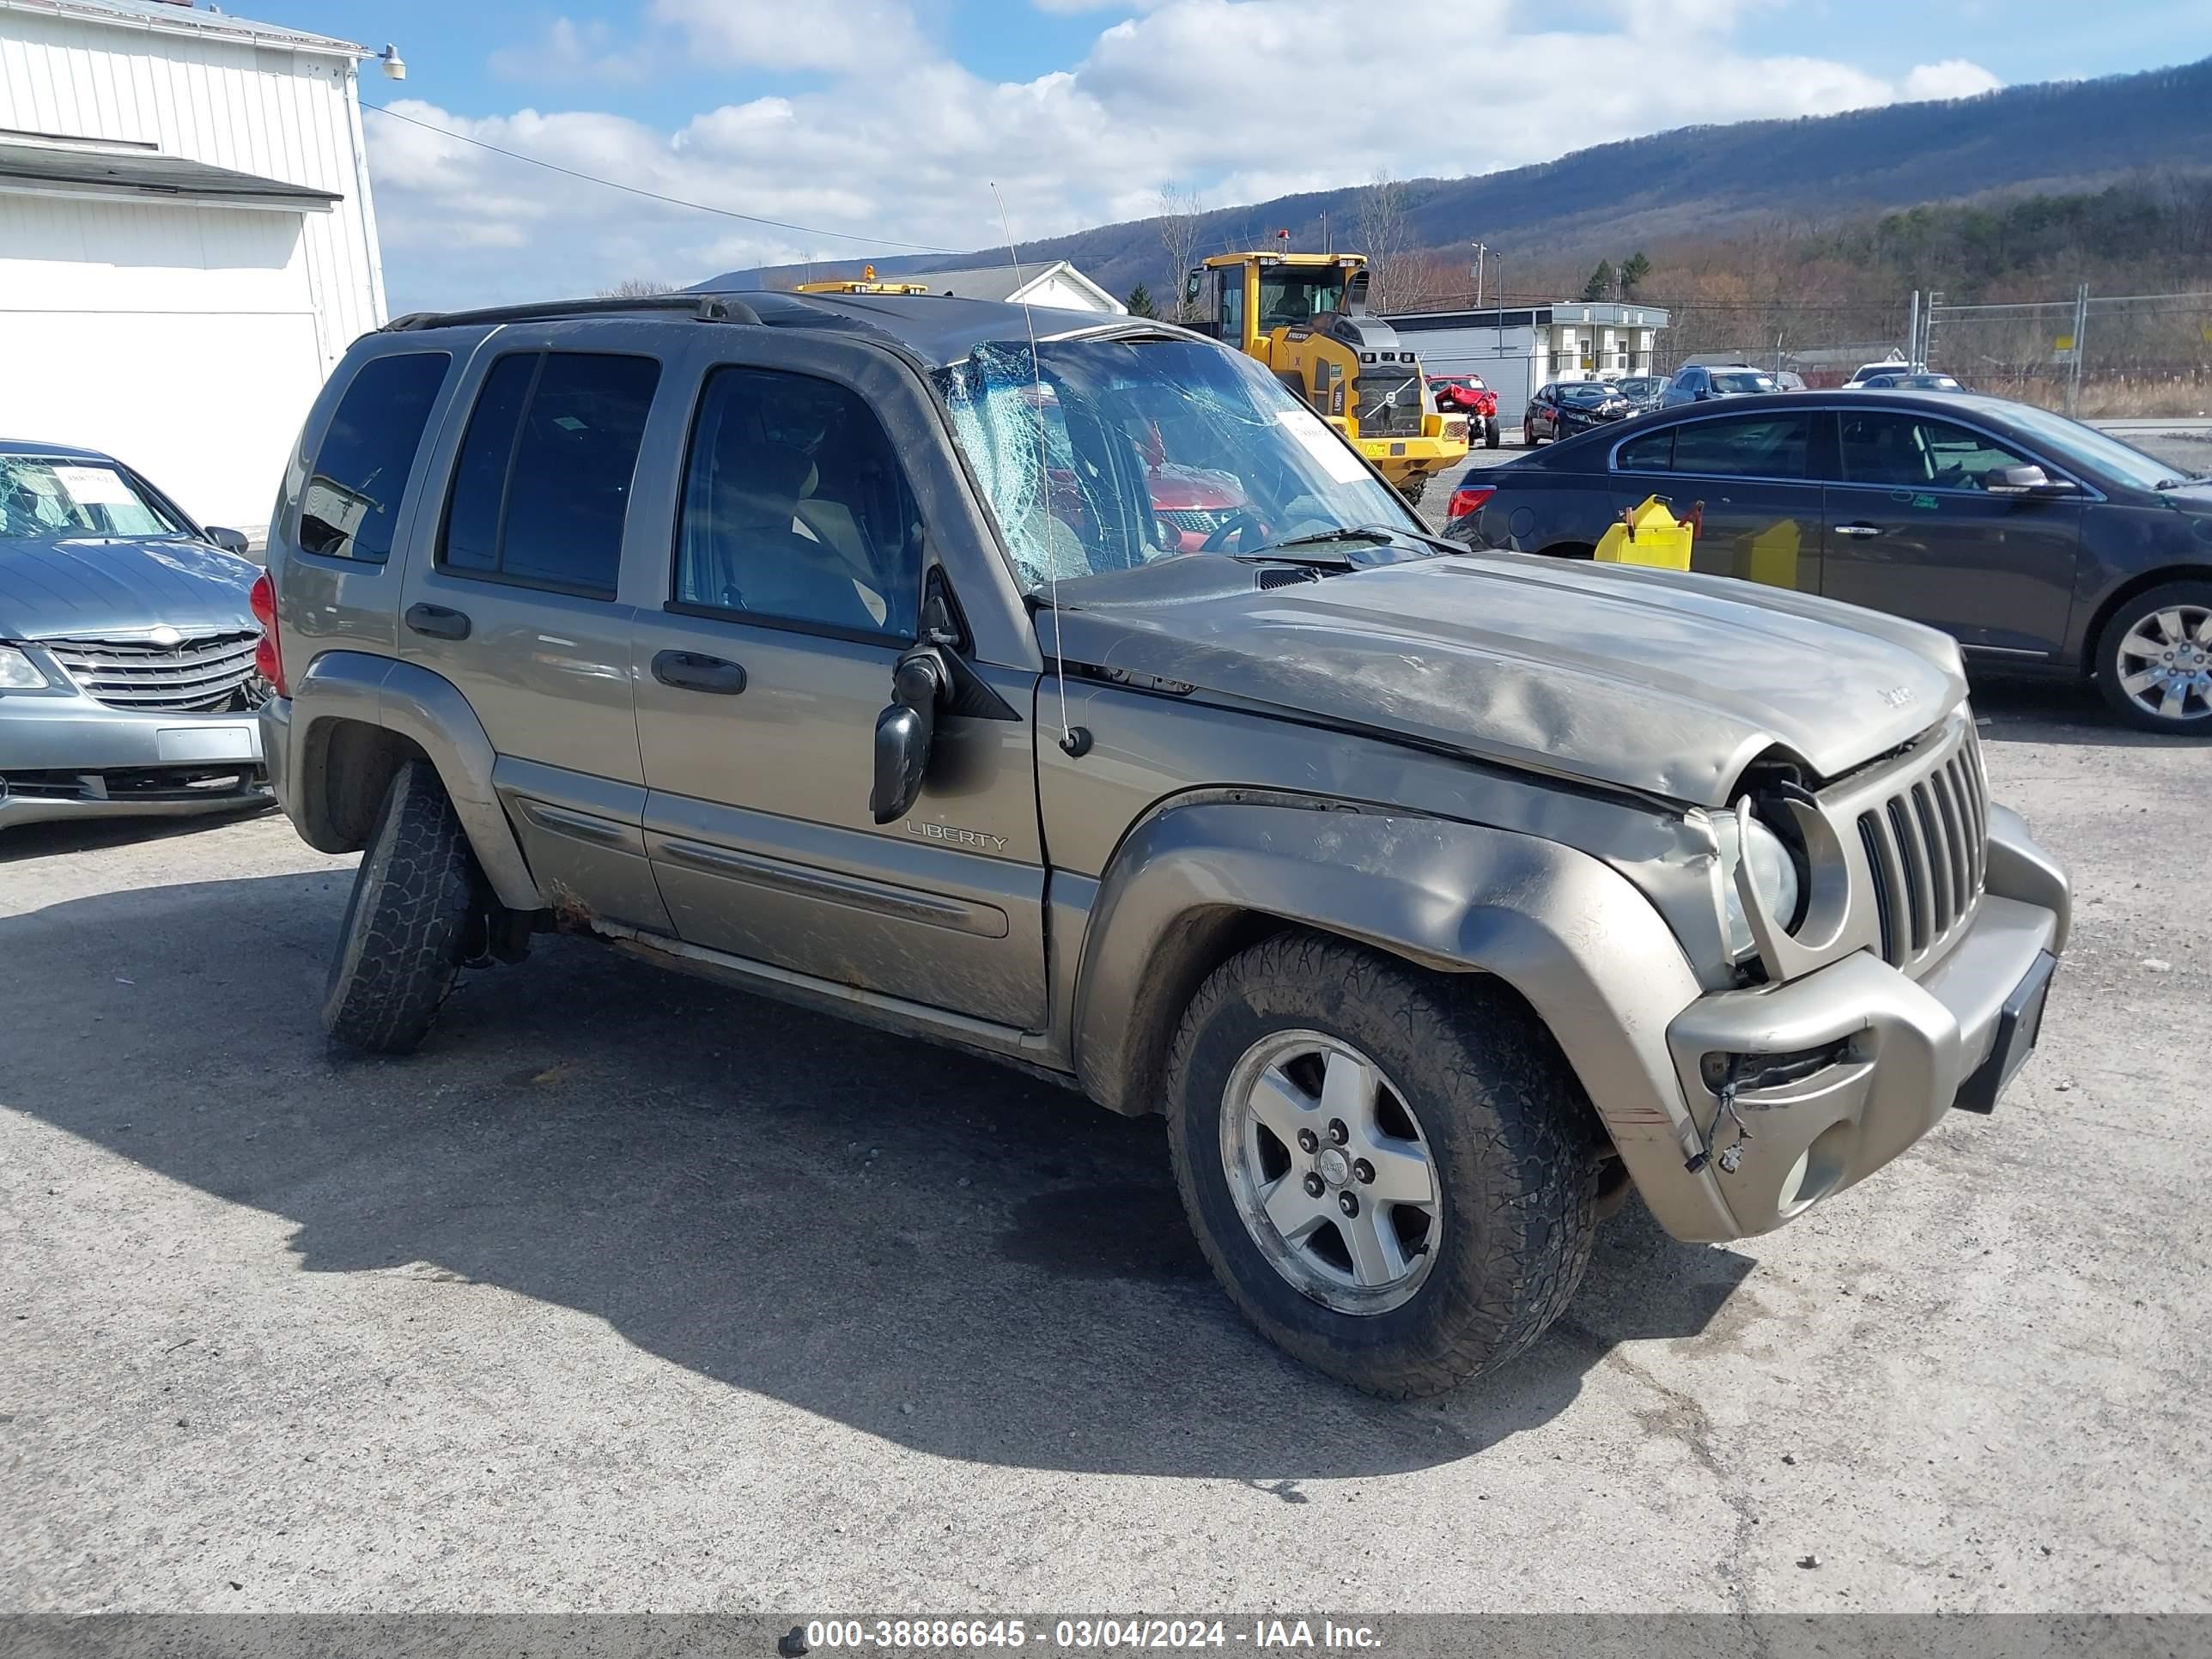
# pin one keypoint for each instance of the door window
(1233, 303)
(543, 484)
(1776, 446)
(350, 505)
(795, 510)
(1911, 452)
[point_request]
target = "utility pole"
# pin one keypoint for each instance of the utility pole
(1928, 329)
(1480, 250)
(1913, 360)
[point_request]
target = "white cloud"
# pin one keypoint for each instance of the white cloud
(885, 136)
(1955, 77)
(569, 53)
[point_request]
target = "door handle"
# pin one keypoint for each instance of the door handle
(438, 622)
(1858, 531)
(688, 671)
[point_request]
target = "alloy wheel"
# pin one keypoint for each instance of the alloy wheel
(2165, 663)
(1331, 1172)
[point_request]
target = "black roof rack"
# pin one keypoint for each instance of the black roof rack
(704, 307)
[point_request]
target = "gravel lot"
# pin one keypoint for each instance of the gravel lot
(634, 1292)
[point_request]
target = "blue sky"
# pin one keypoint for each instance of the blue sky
(891, 117)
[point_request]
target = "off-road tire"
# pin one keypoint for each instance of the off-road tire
(2107, 666)
(1413, 491)
(399, 946)
(1514, 1144)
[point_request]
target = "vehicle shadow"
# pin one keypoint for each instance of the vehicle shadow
(53, 840)
(2061, 712)
(927, 1247)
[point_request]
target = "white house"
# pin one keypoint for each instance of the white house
(1517, 349)
(1059, 284)
(186, 240)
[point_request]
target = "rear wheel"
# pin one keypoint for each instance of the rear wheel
(399, 947)
(2155, 659)
(1413, 491)
(1490, 432)
(1394, 1174)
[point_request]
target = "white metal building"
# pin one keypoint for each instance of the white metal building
(1059, 284)
(187, 245)
(1517, 349)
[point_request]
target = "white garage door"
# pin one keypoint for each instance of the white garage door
(205, 405)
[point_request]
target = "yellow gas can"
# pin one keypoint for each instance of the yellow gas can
(1649, 534)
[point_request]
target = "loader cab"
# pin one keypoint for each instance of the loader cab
(1238, 299)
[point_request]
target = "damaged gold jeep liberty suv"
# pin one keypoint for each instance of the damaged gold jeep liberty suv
(1062, 689)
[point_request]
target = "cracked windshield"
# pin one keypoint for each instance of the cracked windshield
(1100, 455)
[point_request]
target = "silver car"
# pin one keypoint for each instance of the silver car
(127, 677)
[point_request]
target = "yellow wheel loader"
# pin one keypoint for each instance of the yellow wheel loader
(1305, 316)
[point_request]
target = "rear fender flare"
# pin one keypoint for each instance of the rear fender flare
(1573, 937)
(430, 712)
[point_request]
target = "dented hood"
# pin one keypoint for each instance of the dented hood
(1666, 683)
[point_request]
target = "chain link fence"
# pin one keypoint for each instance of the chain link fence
(2090, 354)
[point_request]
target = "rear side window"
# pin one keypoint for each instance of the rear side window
(1652, 453)
(542, 485)
(350, 507)
(1749, 446)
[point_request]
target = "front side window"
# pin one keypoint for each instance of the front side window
(350, 507)
(1776, 446)
(1909, 452)
(52, 498)
(1100, 456)
(542, 487)
(795, 509)
(1735, 382)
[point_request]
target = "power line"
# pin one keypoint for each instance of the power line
(672, 201)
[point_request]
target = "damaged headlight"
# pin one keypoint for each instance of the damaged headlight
(1745, 841)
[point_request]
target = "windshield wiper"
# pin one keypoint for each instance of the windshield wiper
(1377, 533)
(2176, 483)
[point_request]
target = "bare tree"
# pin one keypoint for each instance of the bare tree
(1382, 234)
(1178, 222)
(637, 288)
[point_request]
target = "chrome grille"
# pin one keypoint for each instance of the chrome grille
(205, 672)
(1926, 848)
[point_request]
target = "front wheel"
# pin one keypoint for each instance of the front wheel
(1394, 1174)
(1413, 492)
(2155, 660)
(1489, 434)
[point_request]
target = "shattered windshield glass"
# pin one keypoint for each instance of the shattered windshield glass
(1100, 456)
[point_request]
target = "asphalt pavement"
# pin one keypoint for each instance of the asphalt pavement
(631, 1291)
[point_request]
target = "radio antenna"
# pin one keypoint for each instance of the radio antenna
(1070, 741)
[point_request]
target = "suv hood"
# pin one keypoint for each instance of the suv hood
(103, 584)
(1650, 680)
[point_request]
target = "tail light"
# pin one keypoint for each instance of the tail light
(267, 659)
(1467, 499)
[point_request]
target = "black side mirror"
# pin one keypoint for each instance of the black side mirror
(905, 731)
(230, 541)
(1190, 289)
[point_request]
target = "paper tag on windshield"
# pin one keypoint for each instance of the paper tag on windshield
(1323, 444)
(95, 486)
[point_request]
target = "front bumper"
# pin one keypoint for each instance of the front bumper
(1889, 1056)
(67, 757)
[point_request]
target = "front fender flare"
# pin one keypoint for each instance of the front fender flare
(429, 711)
(1586, 951)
